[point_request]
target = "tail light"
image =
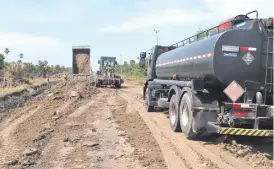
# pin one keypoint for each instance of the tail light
(236, 106)
(241, 113)
(242, 110)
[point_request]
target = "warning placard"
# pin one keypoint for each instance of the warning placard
(234, 91)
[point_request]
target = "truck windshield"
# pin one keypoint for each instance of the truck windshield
(108, 62)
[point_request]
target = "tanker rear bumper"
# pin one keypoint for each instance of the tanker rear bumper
(213, 128)
(258, 123)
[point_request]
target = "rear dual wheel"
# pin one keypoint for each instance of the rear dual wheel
(186, 116)
(118, 84)
(174, 118)
(97, 83)
(181, 118)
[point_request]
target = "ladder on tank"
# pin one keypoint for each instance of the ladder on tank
(269, 84)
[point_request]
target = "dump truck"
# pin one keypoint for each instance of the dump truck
(81, 61)
(105, 76)
(217, 81)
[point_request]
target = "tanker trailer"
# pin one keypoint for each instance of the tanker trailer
(220, 83)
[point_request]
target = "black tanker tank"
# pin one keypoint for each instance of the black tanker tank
(234, 54)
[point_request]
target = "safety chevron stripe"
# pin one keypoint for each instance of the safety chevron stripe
(203, 56)
(246, 132)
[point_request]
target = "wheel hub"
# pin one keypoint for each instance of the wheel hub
(146, 98)
(185, 116)
(172, 114)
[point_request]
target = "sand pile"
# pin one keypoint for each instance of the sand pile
(82, 63)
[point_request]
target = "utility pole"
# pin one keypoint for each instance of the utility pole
(156, 31)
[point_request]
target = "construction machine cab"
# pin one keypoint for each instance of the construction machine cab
(107, 64)
(106, 74)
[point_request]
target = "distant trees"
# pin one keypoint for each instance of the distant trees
(125, 63)
(42, 68)
(2, 63)
(12, 73)
(201, 34)
(7, 51)
(131, 69)
(132, 62)
(21, 55)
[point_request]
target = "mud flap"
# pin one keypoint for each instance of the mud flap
(202, 120)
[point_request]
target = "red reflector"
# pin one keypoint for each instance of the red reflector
(236, 106)
(244, 48)
(241, 113)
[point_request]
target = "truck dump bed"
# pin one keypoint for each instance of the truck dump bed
(81, 60)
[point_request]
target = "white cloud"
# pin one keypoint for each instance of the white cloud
(169, 17)
(34, 47)
(212, 11)
(228, 8)
(23, 39)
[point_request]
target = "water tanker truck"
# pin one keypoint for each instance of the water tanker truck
(218, 81)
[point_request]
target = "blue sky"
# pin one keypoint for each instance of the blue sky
(48, 29)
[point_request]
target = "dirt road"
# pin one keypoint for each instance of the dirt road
(78, 126)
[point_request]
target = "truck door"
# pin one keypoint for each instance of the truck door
(150, 74)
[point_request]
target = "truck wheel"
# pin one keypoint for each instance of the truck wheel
(97, 83)
(174, 120)
(118, 84)
(148, 107)
(186, 116)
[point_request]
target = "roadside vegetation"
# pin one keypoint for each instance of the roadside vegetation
(17, 75)
(132, 71)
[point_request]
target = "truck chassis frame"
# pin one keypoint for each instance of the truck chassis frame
(208, 114)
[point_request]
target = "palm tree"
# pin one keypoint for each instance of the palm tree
(21, 55)
(7, 51)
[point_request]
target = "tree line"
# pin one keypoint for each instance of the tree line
(12, 71)
(131, 70)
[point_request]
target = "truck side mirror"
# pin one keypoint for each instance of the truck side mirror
(115, 62)
(142, 62)
(143, 55)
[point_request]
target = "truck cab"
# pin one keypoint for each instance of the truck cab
(152, 55)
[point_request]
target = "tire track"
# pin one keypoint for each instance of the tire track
(172, 158)
(9, 147)
(192, 153)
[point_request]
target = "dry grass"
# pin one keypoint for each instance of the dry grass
(38, 81)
